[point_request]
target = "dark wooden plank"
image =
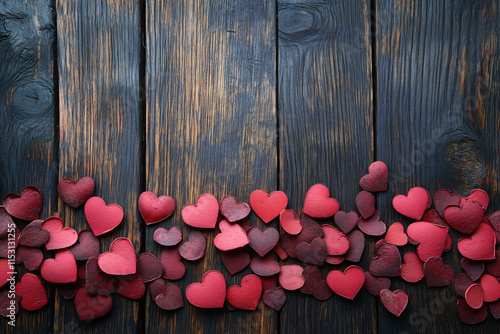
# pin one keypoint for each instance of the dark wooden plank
(211, 127)
(99, 66)
(326, 134)
(437, 125)
(27, 120)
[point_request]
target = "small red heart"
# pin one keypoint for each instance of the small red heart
(314, 284)
(432, 216)
(310, 231)
(5, 222)
(376, 179)
(290, 221)
(346, 221)
(131, 287)
(356, 246)
(97, 281)
(431, 239)
(318, 203)
(290, 277)
(86, 247)
(465, 218)
(412, 269)
(491, 288)
(9, 303)
(61, 269)
(470, 316)
(102, 218)
(413, 205)
(171, 298)
(374, 284)
(474, 296)
(232, 236)
(313, 253)
(443, 199)
(203, 214)
(195, 248)
(436, 273)
(373, 225)
(493, 267)
(210, 293)
(154, 209)
(32, 292)
(26, 206)
(60, 237)
(337, 242)
(149, 267)
(6, 271)
(90, 307)
(235, 261)
(168, 237)
(76, 193)
(120, 260)
(232, 210)
(396, 235)
(265, 266)
(479, 196)
(33, 235)
(480, 245)
(274, 298)
(395, 302)
(365, 202)
(247, 296)
(173, 268)
(31, 257)
(473, 269)
(348, 283)
(387, 260)
(461, 283)
(268, 207)
(263, 242)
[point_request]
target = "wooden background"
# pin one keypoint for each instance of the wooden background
(228, 96)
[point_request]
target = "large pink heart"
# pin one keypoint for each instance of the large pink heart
(348, 283)
(102, 218)
(318, 203)
(210, 293)
(232, 236)
(480, 245)
(268, 207)
(120, 260)
(203, 214)
(413, 205)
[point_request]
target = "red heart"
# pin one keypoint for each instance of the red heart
(102, 218)
(26, 206)
(465, 218)
(387, 260)
(76, 193)
(232, 210)
(235, 261)
(373, 225)
(436, 273)
(33, 235)
(131, 287)
(268, 207)
(480, 245)
(348, 283)
(290, 221)
(376, 179)
(195, 248)
(346, 221)
(155, 209)
(265, 266)
(474, 296)
(291, 277)
(491, 288)
(32, 292)
(263, 242)
(149, 267)
(356, 246)
(413, 205)
(232, 236)
(168, 237)
(203, 214)
(468, 315)
(431, 239)
(61, 269)
(6, 271)
(412, 269)
(479, 196)
(170, 299)
(312, 253)
(173, 268)
(87, 246)
(396, 235)
(395, 302)
(31, 257)
(90, 307)
(274, 298)
(120, 260)
(318, 203)
(337, 242)
(247, 296)
(315, 284)
(97, 281)
(59, 237)
(210, 293)
(443, 199)
(365, 202)
(374, 284)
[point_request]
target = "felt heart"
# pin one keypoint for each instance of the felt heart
(32, 292)
(278, 250)
(97, 281)
(60, 237)
(173, 268)
(246, 225)
(26, 206)
(232, 210)
(194, 249)
(268, 207)
(494, 220)
(87, 246)
(76, 193)
(474, 296)
(314, 284)
(102, 218)
(247, 296)
(412, 269)
(120, 260)
(149, 267)
(480, 245)
(310, 231)
(290, 222)
(232, 236)
(5, 222)
(9, 303)
(436, 273)
(348, 283)
(318, 203)
(493, 267)
(356, 246)
(470, 316)
(290, 277)
(154, 209)
(346, 221)
(210, 293)
(90, 307)
(466, 218)
(171, 298)
(473, 269)
(376, 179)
(6, 242)
(33, 235)
(479, 196)
(461, 283)
(491, 288)
(387, 261)
(6, 271)
(413, 205)
(312, 253)
(263, 242)
(235, 261)
(168, 237)
(443, 199)
(203, 214)
(265, 266)
(61, 269)
(31, 257)
(396, 235)
(431, 239)
(495, 309)
(374, 284)
(274, 298)
(365, 202)
(337, 242)
(432, 216)
(131, 287)
(157, 287)
(372, 226)
(395, 302)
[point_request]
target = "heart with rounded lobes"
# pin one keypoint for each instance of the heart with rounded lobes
(268, 207)
(480, 245)
(32, 292)
(430, 237)
(263, 242)
(413, 205)
(319, 204)
(210, 293)
(75, 193)
(26, 206)
(203, 214)
(154, 209)
(376, 179)
(348, 283)
(395, 302)
(61, 269)
(59, 237)
(247, 296)
(121, 258)
(90, 307)
(102, 218)
(232, 210)
(232, 236)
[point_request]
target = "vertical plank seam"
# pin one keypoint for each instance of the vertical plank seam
(276, 101)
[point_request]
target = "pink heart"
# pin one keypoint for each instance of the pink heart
(290, 222)
(155, 209)
(412, 269)
(232, 236)
(413, 205)
(59, 237)
(102, 218)
(76, 193)
(479, 196)
(121, 258)
(61, 269)
(396, 235)
(431, 238)
(491, 288)
(480, 245)
(348, 283)
(210, 293)
(318, 203)
(203, 214)
(268, 207)
(291, 277)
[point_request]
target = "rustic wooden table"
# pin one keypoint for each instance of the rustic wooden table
(186, 97)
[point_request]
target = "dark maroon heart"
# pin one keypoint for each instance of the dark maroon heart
(171, 298)
(157, 287)
(235, 261)
(461, 283)
(365, 202)
(265, 266)
(356, 246)
(149, 267)
(263, 242)
(5, 222)
(346, 221)
(312, 253)
(87, 246)
(315, 284)
(269, 282)
(474, 269)
(132, 287)
(436, 273)
(98, 282)
(31, 257)
(33, 235)
(432, 216)
(193, 249)
(9, 303)
(372, 226)
(68, 290)
(310, 231)
(232, 210)
(26, 206)
(274, 298)
(173, 268)
(90, 307)
(443, 199)
(494, 219)
(470, 316)
(374, 284)
(493, 267)
(376, 179)
(168, 237)
(4, 243)
(387, 261)
(495, 309)
(76, 193)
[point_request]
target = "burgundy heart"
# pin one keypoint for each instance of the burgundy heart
(76, 193)
(494, 220)
(310, 231)
(470, 316)
(263, 242)
(395, 302)
(376, 179)
(373, 225)
(374, 284)
(235, 260)
(90, 307)
(173, 268)
(432, 216)
(168, 237)
(436, 273)
(26, 206)
(171, 298)
(149, 267)
(193, 249)
(473, 269)
(461, 283)
(31, 257)
(233, 210)
(132, 287)
(33, 235)
(86, 247)
(274, 298)
(265, 266)
(365, 202)
(443, 199)
(465, 218)
(356, 246)
(312, 253)
(97, 281)
(387, 260)
(346, 221)
(314, 284)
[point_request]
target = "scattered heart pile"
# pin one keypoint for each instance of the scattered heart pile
(81, 272)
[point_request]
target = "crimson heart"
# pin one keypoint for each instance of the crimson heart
(465, 218)
(235, 261)
(210, 293)
(443, 199)
(491, 288)
(480, 245)
(268, 207)
(376, 179)
(274, 298)
(203, 214)
(26, 206)
(60, 237)
(6, 271)
(337, 242)
(232, 210)
(365, 202)
(290, 221)
(168, 237)
(468, 315)
(87, 246)
(413, 205)
(387, 260)
(290, 277)
(33, 235)
(412, 269)
(431, 239)
(30, 257)
(193, 249)
(374, 284)
(232, 236)
(436, 273)
(373, 225)
(474, 296)
(149, 267)
(318, 203)
(312, 253)
(263, 242)
(76, 193)
(61, 269)
(131, 287)
(120, 260)
(494, 220)
(396, 235)
(461, 283)
(97, 281)
(473, 269)
(102, 218)
(247, 296)
(154, 209)
(32, 292)
(265, 266)
(479, 196)
(90, 307)
(348, 283)
(173, 268)
(346, 221)
(171, 298)
(395, 302)
(315, 284)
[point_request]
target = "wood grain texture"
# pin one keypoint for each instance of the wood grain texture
(326, 135)
(438, 118)
(99, 66)
(27, 120)
(211, 128)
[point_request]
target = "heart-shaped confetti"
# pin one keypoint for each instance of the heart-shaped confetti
(480, 245)
(233, 210)
(318, 203)
(120, 260)
(25, 206)
(290, 222)
(246, 296)
(337, 242)
(75, 193)
(387, 260)
(168, 237)
(235, 261)
(32, 292)
(314, 284)
(33, 235)
(132, 287)
(171, 298)
(268, 207)
(90, 307)
(375, 284)
(395, 302)
(86, 247)
(412, 269)
(365, 202)
(312, 253)
(97, 281)
(413, 205)
(265, 266)
(373, 225)
(437, 273)
(431, 239)
(290, 277)
(274, 298)
(348, 283)
(203, 214)
(194, 248)
(356, 246)
(465, 218)
(149, 267)
(61, 269)
(232, 236)
(474, 296)
(491, 288)
(154, 209)
(376, 179)
(346, 221)
(60, 237)
(396, 235)
(102, 218)
(263, 241)
(173, 268)
(210, 293)
(443, 199)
